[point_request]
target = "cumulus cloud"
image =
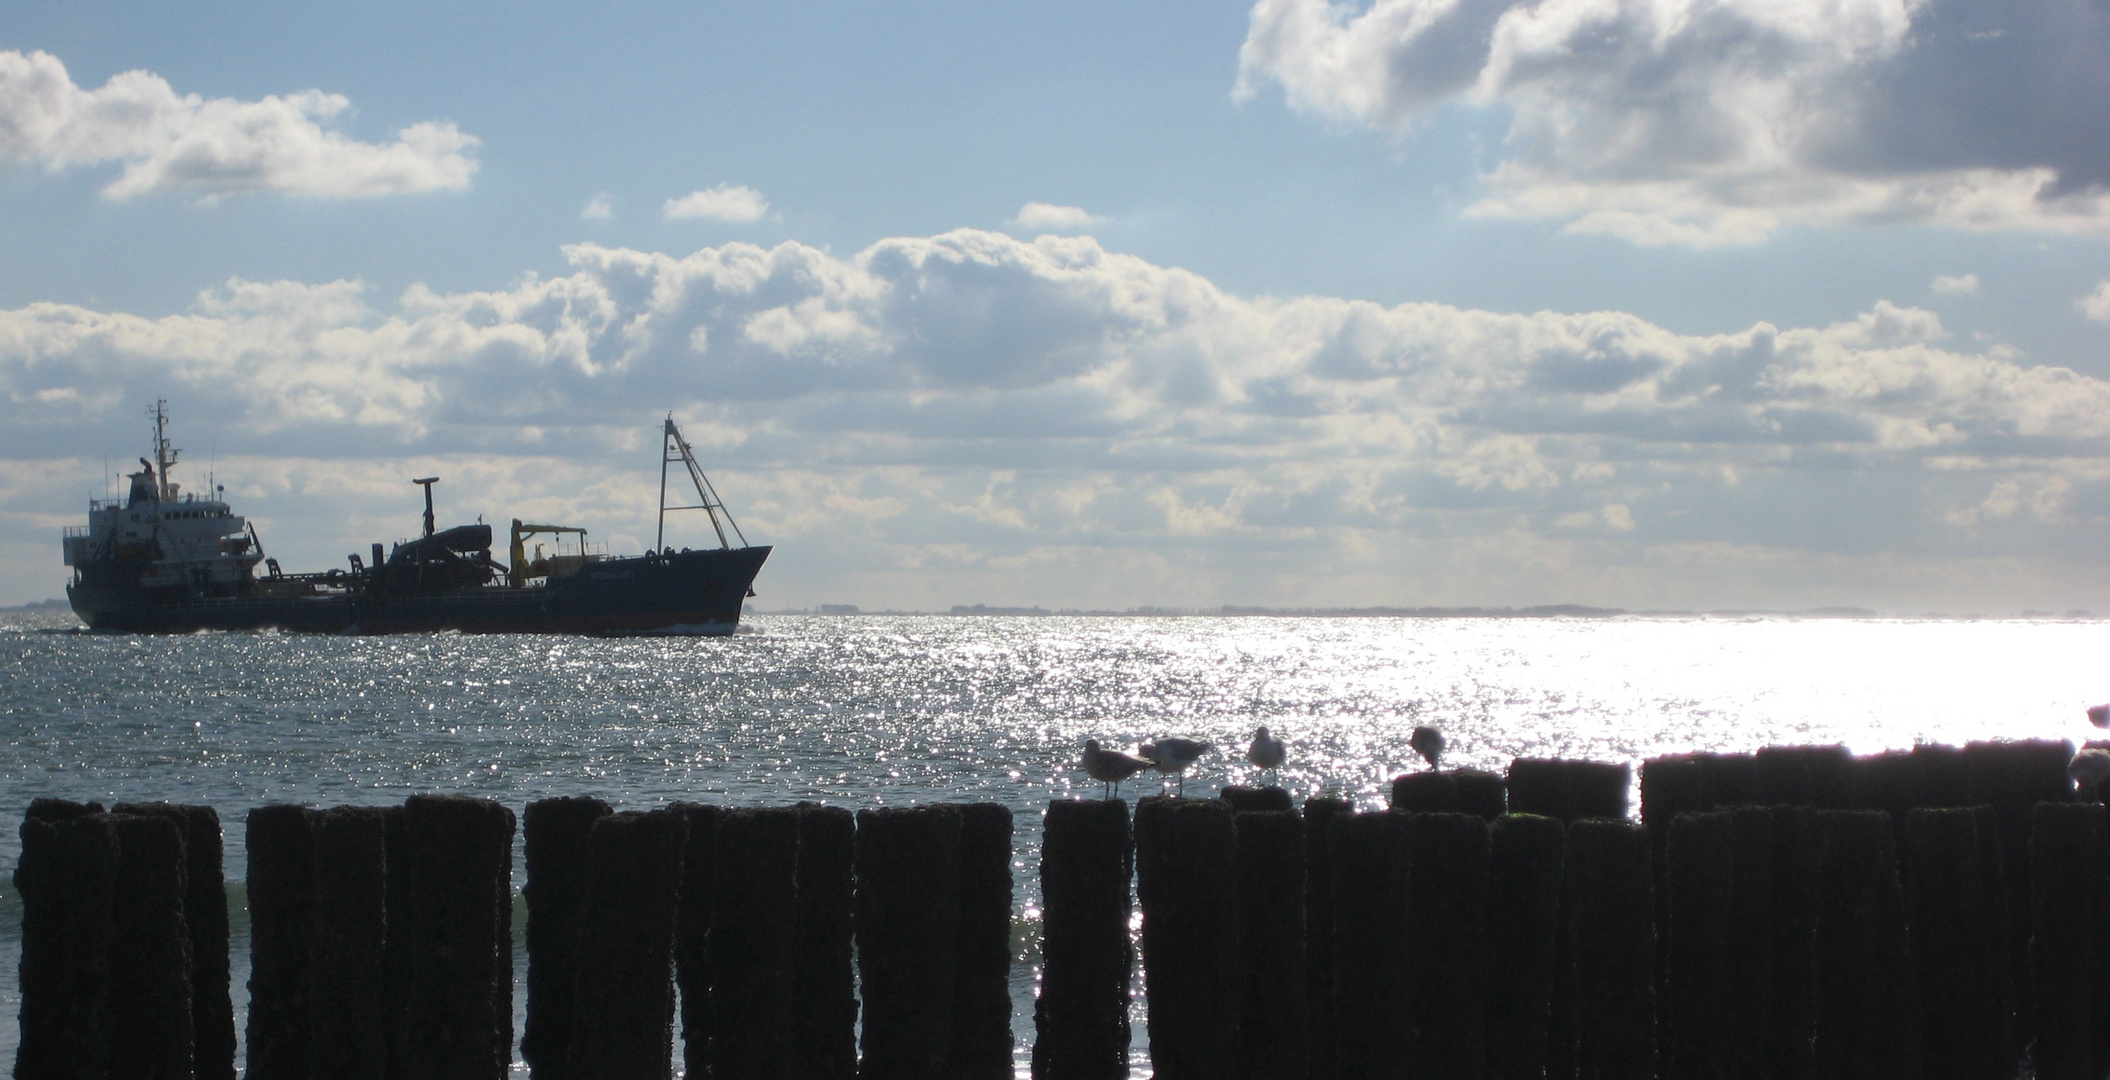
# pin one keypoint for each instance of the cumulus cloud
(210, 148)
(1950, 285)
(975, 403)
(1704, 124)
(1040, 215)
(2096, 305)
(725, 202)
(599, 208)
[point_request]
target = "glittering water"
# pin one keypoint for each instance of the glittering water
(862, 711)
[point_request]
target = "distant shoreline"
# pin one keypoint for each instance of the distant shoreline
(1546, 611)
(40, 605)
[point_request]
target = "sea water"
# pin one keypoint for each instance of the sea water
(894, 710)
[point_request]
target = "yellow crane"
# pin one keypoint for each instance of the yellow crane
(521, 570)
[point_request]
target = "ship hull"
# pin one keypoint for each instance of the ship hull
(693, 592)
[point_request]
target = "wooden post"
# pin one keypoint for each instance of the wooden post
(1271, 919)
(823, 993)
(908, 910)
(1526, 855)
(1867, 1011)
(1569, 790)
(348, 1003)
(1081, 1017)
(556, 832)
(281, 844)
(753, 943)
(1186, 882)
(458, 857)
(67, 879)
(1612, 933)
(692, 938)
(2068, 884)
(623, 1023)
(1318, 933)
(981, 1014)
(1371, 872)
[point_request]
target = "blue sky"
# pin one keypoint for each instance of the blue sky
(1759, 303)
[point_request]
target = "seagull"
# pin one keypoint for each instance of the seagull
(1110, 767)
(2088, 769)
(1428, 742)
(1266, 753)
(1174, 755)
(2099, 715)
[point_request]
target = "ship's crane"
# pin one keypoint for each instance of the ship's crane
(520, 571)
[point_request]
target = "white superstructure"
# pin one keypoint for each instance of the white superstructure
(185, 540)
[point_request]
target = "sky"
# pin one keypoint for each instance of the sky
(1650, 304)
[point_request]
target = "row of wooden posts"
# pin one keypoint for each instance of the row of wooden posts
(1796, 913)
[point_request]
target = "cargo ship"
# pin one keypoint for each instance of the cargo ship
(162, 560)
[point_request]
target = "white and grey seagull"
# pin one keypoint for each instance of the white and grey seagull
(1267, 753)
(1172, 756)
(1110, 767)
(1428, 742)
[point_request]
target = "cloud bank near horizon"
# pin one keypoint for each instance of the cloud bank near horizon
(971, 416)
(1704, 124)
(211, 148)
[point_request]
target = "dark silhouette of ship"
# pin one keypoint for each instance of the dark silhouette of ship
(166, 561)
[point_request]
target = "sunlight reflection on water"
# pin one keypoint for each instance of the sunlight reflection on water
(868, 710)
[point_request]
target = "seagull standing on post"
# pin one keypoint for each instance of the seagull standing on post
(1266, 753)
(1173, 756)
(2088, 769)
(1428, 742)
(1110, 767)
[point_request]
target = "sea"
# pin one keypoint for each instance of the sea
(862, 711)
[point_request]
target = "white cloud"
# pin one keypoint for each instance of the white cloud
(2096, 305)
(1703, 124)
(960, 404)
(599, 208)
(213, 148)
(1949, 285)
(1040, 215)
(725, 202)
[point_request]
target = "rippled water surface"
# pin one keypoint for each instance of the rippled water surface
(863, 711)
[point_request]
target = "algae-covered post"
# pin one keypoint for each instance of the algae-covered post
(908, 909)
(1568, 790)
(1186, 884)
(1081, 1017)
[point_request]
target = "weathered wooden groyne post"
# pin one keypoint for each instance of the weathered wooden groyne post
(1081, 1017)
(1272, 1011)
(2069, 863)
(1567, 790)
(1446, 945)
(1320, 1034)
(205, 918)
(1526, 858)
(67, 879)
(624, 1013)
(1959, 954)
(1867, 1009)
(753, 943)
(457, 858)
(908, 909)
(1186, 885)
(692, 938)
(281, 846)
(1451, 791)
(981, 1016)
(349, 1002)
(1612, 935)
(555, 833)
(1371, 870)
(823, 991)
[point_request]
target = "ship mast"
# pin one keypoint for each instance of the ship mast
(164, 454)
(676, 449)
